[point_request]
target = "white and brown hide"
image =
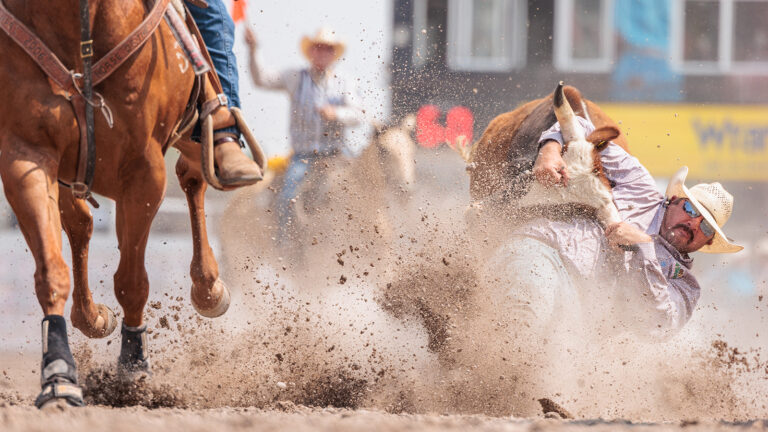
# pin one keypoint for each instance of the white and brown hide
(502, 159)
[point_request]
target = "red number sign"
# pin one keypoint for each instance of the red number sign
(459, 122)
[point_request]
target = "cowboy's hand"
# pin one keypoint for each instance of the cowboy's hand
(550, 168)
(328, 113)
(251, 40)
(624, 234)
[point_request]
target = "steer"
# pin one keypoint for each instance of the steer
(588, 184)
(502, 160)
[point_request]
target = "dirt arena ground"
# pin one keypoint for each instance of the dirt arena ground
(305, 419)
(382, 319)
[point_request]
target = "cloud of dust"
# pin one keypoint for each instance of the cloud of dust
(389, 306)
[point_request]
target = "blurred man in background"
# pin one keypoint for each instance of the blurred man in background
(323, 104)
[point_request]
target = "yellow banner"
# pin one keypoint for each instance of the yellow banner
(717, 142)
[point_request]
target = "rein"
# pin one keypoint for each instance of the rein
(81, 97)
(81, 188)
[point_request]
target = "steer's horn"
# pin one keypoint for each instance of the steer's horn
(569, 126)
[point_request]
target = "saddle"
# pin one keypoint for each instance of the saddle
(78, 89)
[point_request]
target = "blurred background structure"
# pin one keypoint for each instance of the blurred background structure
(686, 79)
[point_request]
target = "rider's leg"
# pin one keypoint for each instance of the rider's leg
(295, 173)
(543, 302)
(218, 32)
(536, 282)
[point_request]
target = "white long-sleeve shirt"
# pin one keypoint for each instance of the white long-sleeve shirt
(309, 132)
(654, 287)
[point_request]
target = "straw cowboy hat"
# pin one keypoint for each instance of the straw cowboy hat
(713, 202)
(324, 36)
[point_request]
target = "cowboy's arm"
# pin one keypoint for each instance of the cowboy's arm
(268, 78)
(550, 168)
(554, 133)
(669, 293)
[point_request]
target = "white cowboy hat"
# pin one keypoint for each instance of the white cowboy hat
(324, 36)
(713, 202)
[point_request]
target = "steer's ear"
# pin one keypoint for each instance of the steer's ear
(602, 136)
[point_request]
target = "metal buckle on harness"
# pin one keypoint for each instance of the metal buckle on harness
(80, 190)
(86, 49)
(102, 105)
(223, 100)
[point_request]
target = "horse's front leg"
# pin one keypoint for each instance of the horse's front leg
(29, 179)
(93, 319)
(142, 193)
(209, 295)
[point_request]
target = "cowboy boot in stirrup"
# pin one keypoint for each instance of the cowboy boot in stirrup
(235, 169)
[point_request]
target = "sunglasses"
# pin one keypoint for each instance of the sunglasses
(704, 226)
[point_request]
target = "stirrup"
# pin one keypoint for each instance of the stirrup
(209, 172)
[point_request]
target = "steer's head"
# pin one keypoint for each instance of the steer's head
(569, 126)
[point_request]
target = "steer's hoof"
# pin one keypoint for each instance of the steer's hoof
(62, 390)
(217, 302)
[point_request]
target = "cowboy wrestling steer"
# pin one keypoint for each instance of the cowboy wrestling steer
(555, 271)
(587, 184)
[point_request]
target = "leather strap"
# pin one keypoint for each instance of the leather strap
(230, 137)
(81, 185)
(35, 48)
(190, 116)
(87, 150)
(209, 107)
(52, 66)
(81, 103)
(212, 73)
(119, 54)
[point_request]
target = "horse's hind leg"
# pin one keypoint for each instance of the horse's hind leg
(210, 296)
(137, 205)
(29, 180)
(94, 320)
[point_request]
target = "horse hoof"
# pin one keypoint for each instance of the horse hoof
(220, 306)
(103, 326)
(59, 395)
(106, 322)
(127, 375)
(133, 362)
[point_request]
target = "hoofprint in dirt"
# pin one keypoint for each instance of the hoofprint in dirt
(289, 417)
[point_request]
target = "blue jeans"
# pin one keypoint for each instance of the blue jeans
(300, 167)
(218, 32)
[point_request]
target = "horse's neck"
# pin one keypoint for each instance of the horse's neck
(57, 23)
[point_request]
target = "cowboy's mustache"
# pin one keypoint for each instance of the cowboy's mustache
(687, 229)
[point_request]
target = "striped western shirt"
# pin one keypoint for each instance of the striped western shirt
(309, 132)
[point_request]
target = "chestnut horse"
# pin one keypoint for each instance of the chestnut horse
(39, 139)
